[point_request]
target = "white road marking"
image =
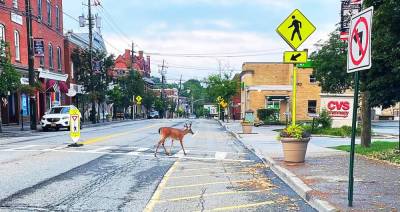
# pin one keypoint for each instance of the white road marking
(140, 151)
(220, 155)
(101, 148)
(19, 148)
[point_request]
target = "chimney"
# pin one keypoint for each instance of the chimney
(127, 53)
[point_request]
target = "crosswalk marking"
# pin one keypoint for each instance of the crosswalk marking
(101, 149)
(131, 151)
(220, 155)
(20, 148)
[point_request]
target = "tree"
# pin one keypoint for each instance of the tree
(9, 76)
(385, 72)
(93, 75)
(197, 91)
(221, 86)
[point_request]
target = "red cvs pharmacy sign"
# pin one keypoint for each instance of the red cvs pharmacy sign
(338, 109)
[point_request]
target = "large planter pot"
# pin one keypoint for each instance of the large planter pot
(294, 150)
(247, 128)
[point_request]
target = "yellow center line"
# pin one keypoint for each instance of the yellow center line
(156, 196)
(237, 207)
(211, 183)
(103, 138)
(210, 195)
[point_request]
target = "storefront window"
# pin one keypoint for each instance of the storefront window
(274, 105)
(312, 106)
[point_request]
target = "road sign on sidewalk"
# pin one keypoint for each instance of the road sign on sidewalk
(295, 57)
(295, 29)
(75, 124)
(359, 47)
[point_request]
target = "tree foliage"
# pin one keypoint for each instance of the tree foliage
(9, 76)
(222, 86)
(330, 65)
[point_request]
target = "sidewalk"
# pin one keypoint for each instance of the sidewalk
(323, 178)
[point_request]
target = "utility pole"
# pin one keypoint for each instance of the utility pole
(31, 61)
(133, 69)
(93, 112)
(179, 93)
(163, 73)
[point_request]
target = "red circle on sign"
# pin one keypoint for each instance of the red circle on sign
(364, 51)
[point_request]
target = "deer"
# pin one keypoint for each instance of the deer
(174, 134)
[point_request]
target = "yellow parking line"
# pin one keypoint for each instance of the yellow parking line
(236, 207)
(210, 195)
(207, 175)
(103, 138)
(156, 196)
(212, 183)
(211, 168)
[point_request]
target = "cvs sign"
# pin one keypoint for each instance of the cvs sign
(337, 108)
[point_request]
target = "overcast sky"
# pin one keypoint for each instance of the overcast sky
(196, 36)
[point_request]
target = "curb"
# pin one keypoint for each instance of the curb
(303, 190)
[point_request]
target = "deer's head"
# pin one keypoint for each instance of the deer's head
(188, 128)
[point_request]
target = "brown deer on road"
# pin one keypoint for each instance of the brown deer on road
(174, 134)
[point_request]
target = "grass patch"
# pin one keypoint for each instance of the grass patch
(381, 150)
(344, 131)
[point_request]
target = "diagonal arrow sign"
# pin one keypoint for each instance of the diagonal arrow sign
(294, 57)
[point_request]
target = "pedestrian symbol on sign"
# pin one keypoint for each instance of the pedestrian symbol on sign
(296, 24)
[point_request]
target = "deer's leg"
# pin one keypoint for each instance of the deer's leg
(158, 145)
(166, 152)
(172, 144)
(182, 147)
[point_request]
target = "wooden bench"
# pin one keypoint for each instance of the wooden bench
(120, 115)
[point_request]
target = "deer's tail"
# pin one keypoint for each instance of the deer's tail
(159, 130)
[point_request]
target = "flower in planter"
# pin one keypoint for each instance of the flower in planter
(294, 131)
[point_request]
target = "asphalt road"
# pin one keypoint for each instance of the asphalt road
(116, 171)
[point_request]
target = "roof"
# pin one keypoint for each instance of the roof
(82, 40)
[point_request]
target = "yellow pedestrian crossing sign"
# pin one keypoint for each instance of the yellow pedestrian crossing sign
(139, 99)
(75, 124)
(295, 57)
(295, 29)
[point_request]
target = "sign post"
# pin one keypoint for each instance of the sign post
(359, 58)
(75, 127)
(295, 29)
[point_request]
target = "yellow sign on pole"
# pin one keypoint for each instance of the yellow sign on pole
(139, 99)
(295, 57)
(75, 124)
(295, 29)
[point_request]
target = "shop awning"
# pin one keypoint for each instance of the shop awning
(50, 85)
(63, 87)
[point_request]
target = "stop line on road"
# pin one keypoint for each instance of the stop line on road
(131, 151)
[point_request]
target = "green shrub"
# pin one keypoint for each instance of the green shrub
(324, 120)
(268, 115)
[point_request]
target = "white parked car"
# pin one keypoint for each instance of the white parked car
(58, 117)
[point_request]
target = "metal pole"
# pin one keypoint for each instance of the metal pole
(31, 61)
(294, 95)
(93, 112)
(353, 139)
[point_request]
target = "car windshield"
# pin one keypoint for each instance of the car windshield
(59, 110)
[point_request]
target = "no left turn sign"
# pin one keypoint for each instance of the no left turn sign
(359, 49)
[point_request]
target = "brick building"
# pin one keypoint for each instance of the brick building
(269, 85)
(47, 30)
(123, 65)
